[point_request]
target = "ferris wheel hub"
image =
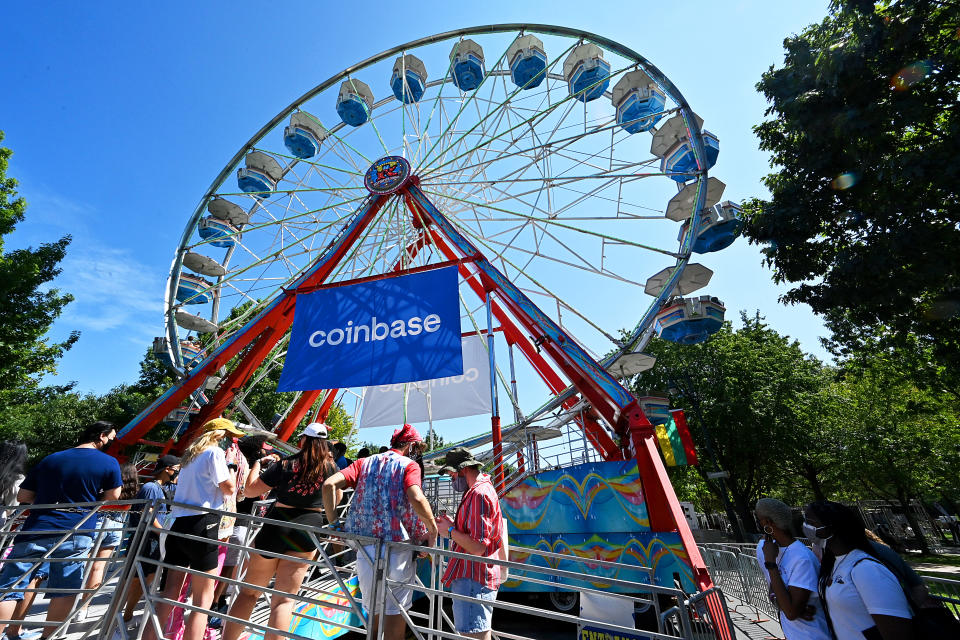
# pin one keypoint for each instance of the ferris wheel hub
(387, 175)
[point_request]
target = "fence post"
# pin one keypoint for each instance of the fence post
(129, 568)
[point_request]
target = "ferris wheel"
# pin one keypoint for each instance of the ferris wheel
(571, 163)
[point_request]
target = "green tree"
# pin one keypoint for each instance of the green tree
(27, 307)
(900, 442)
(864, 210)
(753, 386)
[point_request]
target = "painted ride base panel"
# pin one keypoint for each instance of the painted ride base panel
(591, 511)
(322, 628)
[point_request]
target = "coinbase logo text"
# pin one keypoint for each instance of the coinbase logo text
(375, 331)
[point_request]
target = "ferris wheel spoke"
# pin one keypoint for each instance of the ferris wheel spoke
(514, 93)
(453, 122)
(538, 118)
(482, 241)
(558, 223)
(317, 165)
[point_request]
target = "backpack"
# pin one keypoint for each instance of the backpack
(929, 623)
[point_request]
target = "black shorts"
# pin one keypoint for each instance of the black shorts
(194, 554)
(150, 554)
(282, 539)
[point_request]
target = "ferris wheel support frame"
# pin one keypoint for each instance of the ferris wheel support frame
(608, 397)
(619, 408)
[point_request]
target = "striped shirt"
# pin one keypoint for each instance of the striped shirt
(480, 518)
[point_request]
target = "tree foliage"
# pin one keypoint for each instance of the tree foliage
(27, 307)
(864, 213)
(755, 389)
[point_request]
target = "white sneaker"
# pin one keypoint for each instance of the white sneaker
(81, 615)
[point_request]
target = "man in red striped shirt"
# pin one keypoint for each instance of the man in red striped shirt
(477, 530)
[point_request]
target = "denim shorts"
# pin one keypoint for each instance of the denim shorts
(110, 532)
(474, 615)
(64, 574)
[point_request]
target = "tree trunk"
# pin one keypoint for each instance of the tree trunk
(914, 522)
(814, 481)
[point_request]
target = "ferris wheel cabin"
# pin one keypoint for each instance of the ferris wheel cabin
(260, 176)
(303, 135)
(528, 62)
(656, 408)
(719, 227)
(690, 320)
(671, 143)
(219, 233)
(638, 101)
(355, 102)
(409, 79)
(586, 72)
(466, 63)
(204, 265)
(194, 290)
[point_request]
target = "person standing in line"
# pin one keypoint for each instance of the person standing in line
(296, 482)
(13, 461)
(389, 504)
(81, 474)
(863, 598)
(792, 572)
(340, 455)
(252, 449)
(110, 533)
(204, 481)
(477, 530)
(164, 472)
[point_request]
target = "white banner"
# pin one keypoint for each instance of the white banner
(438, 399)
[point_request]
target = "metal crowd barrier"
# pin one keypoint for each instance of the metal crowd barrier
(56, 540)
(740, 575)
(330, 595)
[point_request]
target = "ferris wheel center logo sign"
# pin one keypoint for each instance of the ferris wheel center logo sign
(398, 329)
(387, 175)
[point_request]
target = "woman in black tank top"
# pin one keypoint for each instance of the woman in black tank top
(296, 482)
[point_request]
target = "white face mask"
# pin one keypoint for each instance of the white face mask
(811, 532)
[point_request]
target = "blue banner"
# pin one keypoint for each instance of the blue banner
(399, 329)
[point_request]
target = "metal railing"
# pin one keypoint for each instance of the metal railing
(74, 550)
(736, 569)
(330, 596)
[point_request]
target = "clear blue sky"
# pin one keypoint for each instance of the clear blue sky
(120, 114)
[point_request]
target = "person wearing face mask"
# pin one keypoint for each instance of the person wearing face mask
(81, 474)
(389, 504)
(792, 572)
(165, 471)
(863, 598)
(477, 529)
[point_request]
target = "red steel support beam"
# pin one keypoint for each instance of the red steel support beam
(607, 396)
(663, 507)
(250, 360)
(595, 433)
(278, 315)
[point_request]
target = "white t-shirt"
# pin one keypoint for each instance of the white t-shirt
(198, 482)
(799, 568)
(858, 588)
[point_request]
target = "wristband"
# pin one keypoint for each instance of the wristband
(771, 565)
(450, 532)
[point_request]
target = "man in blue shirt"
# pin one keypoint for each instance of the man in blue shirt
(78, 475)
